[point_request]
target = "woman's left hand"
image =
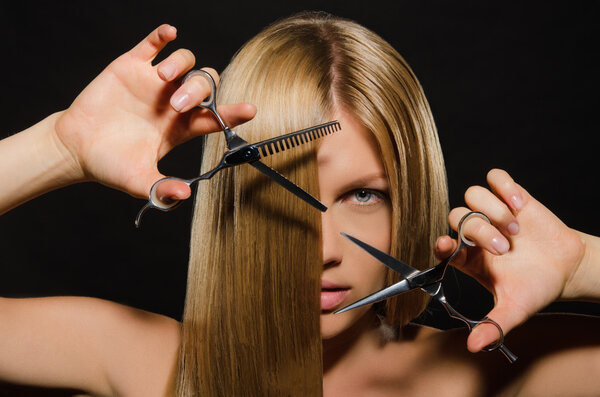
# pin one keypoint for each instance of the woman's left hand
(527, 258)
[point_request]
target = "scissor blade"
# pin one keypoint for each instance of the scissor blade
(296, 138)
(396, 265)
(289, 185)
(385, 293)
(234, 141)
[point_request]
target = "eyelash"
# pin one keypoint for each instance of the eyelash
(377, 194)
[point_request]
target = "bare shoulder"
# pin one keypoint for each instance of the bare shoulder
(558, 355)
(89, 344)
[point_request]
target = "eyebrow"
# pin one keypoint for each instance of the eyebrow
(367, 181)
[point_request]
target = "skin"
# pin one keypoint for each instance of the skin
(508, 249)
(134, 111)
(356, 194)
(358, 361)
(118, 128)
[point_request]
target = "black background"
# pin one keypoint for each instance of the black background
(511, 85)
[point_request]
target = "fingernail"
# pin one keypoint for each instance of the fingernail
(517, 201)
(180, 100)
(513, 228)
(167, 71)
(500, 245)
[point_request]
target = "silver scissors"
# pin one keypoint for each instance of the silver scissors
(430, 281)
(241, 152)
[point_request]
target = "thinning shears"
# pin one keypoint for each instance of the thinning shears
(429, 280)
(241, 152)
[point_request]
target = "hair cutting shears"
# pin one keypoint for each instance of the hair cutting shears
(429, 280)
(241, 152)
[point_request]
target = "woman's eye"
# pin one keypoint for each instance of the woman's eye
(365, 196)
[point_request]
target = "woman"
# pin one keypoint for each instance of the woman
(251, 324)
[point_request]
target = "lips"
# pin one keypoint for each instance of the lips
(332, 295)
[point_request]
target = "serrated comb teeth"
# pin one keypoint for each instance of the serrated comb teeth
(293, 139)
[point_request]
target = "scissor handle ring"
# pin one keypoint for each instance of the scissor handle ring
(499, 345)
(500, 340)
(155, 202)
(208, 102)
(466, 217)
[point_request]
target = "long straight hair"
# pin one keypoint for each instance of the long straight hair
(251, 320)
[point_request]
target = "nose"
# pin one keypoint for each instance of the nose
(332, 240)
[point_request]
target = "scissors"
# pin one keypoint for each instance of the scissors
(430, 281)
(241, 152)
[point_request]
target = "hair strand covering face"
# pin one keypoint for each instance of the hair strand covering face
(251, 321)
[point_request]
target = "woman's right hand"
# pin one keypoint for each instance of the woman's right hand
(134, 113)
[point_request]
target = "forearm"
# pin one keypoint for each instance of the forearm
(32, 162)
(584, 283)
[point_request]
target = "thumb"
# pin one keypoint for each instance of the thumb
(167, 191)
(171, 190)
(444, 246)
(485, 334)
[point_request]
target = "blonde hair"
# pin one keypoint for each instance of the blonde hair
(251, 321)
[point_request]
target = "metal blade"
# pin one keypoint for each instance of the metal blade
(289, 185)
(293, 139)
(385, 293)
(234, 141)
(396, 265)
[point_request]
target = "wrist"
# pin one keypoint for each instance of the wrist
(584, 282)
(55, 165)
(68, 169)
(32, 163)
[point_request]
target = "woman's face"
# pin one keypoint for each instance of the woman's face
(354, 187)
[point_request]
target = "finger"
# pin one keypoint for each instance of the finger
(193, 91)
(202, 122)
(444, 246)
(481, 199)
(169, 190)
(148, 48)
(176, 64)
(479, 231)
(505, 187)
(141, 183)
(507, 316)
(172, 190)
